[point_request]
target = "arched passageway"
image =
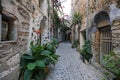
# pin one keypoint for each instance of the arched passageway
(68, 35)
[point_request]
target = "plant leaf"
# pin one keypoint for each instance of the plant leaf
(50, 47)
(53, 59)
(23, 63)
(40, 63)
(55, 56)
(37, 77)
(28, 75)
(31, 43)
(28, 56)
(31, 66)
(45, 53)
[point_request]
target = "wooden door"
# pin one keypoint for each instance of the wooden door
(105, 40)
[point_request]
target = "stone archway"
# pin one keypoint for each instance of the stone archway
(101, 19)
(103, 35)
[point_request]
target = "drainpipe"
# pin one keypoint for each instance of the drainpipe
(87, 26)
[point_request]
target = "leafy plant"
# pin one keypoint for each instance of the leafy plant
(106, 76)
(33, 65)
(86, 51)
(75, 43)
(112, 63)
(60, 23)
(55, 42)
(77, 18)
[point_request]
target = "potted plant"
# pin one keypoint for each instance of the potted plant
(34, 64)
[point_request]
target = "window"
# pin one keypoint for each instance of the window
(7, 29)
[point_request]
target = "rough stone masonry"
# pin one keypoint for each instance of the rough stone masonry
(23, 15)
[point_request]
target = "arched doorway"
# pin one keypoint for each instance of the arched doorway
(103, 36)
(68, 35)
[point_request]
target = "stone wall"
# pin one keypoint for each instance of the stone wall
(111, 7)
(79, 6)
(116, 36)
(26, 15)
(94, 7)
(10, 51)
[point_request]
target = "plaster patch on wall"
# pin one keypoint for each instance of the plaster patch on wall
(114, 12)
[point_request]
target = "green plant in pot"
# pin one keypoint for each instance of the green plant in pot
(33, 65)
(86, 51)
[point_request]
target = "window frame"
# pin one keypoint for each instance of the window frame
(8, 40)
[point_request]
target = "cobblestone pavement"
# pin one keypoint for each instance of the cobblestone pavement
(71, 67)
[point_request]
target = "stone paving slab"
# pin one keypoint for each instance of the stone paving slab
(71, 67)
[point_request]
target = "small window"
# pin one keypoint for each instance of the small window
(8, 31)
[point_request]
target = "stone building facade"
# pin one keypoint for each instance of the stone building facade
(102, 19)
(79, 6)
(18, 20)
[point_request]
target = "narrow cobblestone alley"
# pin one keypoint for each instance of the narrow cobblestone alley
(71, 67)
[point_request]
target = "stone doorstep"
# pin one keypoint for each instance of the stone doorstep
(102, 70)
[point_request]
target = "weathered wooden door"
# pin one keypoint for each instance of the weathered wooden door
(105, 40)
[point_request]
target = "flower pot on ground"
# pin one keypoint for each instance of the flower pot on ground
(46, 69)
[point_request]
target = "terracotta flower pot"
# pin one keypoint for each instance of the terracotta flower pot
(46, 69)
